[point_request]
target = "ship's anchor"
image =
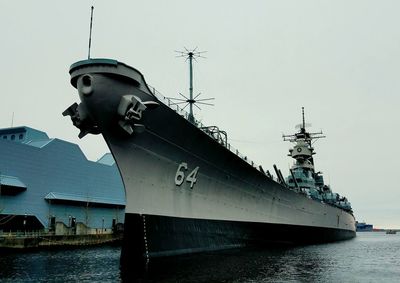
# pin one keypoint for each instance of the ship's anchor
(81, 120)
(130, 109)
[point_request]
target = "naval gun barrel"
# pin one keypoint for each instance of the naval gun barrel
(294, 179)
(280, 177)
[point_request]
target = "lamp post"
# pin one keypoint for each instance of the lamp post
(1, 200)
(24, 223)
(69, 225)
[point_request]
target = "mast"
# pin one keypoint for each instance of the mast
(303, 151)
(90, 31)
(303, 134)
(190, 100)
(191, 55)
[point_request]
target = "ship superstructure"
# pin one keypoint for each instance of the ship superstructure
(303, 177)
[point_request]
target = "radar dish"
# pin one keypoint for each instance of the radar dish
(307, 125)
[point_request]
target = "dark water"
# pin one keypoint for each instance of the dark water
(371, 257)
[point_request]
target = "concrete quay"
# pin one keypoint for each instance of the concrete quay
(40, 240)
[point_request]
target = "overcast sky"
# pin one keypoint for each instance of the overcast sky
(265, 60)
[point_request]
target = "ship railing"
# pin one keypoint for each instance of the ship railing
(172, 105)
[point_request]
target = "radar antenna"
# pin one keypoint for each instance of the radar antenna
(303, 125)
(190, 55)
(303, 134)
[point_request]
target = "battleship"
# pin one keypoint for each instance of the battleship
(187, 189)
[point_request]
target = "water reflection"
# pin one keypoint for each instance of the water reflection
(371, 257)
(246, 265)
(91, 264)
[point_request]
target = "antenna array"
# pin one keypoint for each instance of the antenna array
(303, 134)
(191, 55)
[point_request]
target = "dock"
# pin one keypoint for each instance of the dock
(31, 240)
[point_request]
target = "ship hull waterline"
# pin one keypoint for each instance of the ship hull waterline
(226, 203)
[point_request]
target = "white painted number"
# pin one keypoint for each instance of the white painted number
(180, 175)
(191, 178)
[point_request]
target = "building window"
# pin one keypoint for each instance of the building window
(4, 137)
(12, 137)
(21, 136)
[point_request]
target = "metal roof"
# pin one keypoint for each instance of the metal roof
(45, 165)
(11, 181)
(82, 198)
(107, 159)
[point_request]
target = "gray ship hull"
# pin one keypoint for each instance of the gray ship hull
(150, 236)
(186, 192)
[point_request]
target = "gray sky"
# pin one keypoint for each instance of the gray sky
(265, 60)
